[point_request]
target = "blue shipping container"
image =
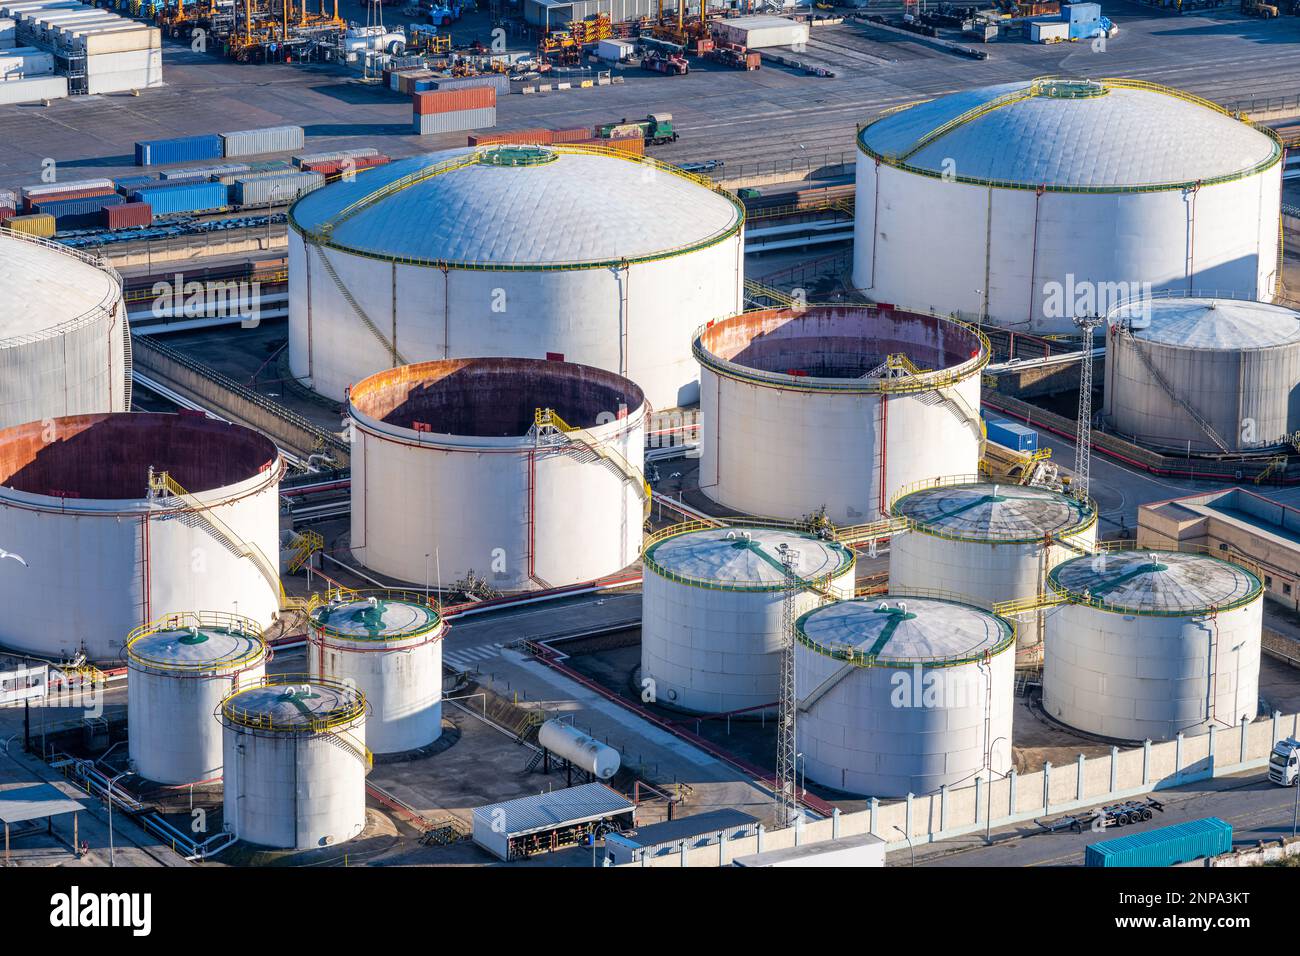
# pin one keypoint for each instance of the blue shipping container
(187, 197)
(126, 184)
(1011, 434)
(182, 149)
(1164, 846)
(77, 213)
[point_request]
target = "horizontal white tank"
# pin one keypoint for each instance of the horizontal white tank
(799, 409)
(987, 543)
(903, 694)
(451, 475)
(64, 343)
(1151, 644)
(588, 255)
(712, 611)
(1235, 365)
(103, 556)
(1035, 201)
(585, 752)
(180, 668)
(295, 763)
(388, 644)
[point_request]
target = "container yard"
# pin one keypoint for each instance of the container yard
(532, 435)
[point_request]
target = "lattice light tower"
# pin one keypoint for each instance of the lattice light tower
(787, 796)
(1083, 432)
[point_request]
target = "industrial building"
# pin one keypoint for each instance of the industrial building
(387, 644)
(122, 516)
(835, 407)
(1147, 644)
(522, 472)
(1052, 198)
(903, 694)
(560, 252)
(180, 668)
(64, 343)
(1204, 374)
(712, 610)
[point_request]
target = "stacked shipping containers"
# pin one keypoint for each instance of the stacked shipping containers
(185, 197)
(279, 190)
(179, 149)
(119, 54)
(83, 212)
(333, 167)
(447, 111)
(128, 215)
(307, 158)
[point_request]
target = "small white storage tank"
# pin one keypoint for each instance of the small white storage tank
(180, 667)
(987, 542)
(712, 606)
(835, 406)
(1151, 644)
(105, 555)
(1233, 364)
(388, 644)
(64, 343)
(578, 252)
(295, 762)
(583, 751)
(903, 694)
(451, 472)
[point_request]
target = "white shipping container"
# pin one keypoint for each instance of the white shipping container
(34, 89)
(429, 123)
(51, 189)
(254, 142)
(8, 34)
(14, 65)
(759, 32)
(1041, 31)
(115, 72)
(109, 40)
(615, 51)
(305, 158)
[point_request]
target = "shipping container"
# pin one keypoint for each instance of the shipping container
(254, 142)
(34, 225)
(33, 89)
(633, 147)
(273, 190)
(9, 197)
(205, 172)
(7, 212)
(8, 37)
(615, 51)
(25, 61)
(1011, 434)
(1163, 846)
(428, 124)
(71, 186)
(1048, 31)
(186, 197)
(336, 166)
(128, 184)
(86, 213)
(519, 137)
(450, 101)
(574, 134)
(760, 31)
(335, 154)
(29, 202)
(181, 149)
(119, 72)
(498, 81)
(128, 215)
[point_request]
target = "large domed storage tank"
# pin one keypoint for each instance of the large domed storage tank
(1151, 644)
(987, 542)
(388, 644)
(104, 554)
(180, 667)
(835, 406)
(903, 694)
(64, 344)
(712, 605)
(1035, 201)
(1235, 365)
(518, 251)
(295, 763)
(452, 473)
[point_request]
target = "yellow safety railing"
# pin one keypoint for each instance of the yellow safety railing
(199, 620)
(549, 418)
(351, 706)
(1019, 606)
(305, 545)
(951, 481)
(323, 599)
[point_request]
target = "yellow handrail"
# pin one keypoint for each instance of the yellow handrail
(199, 620)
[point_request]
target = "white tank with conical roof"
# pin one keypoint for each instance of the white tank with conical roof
(903, 694)
(1150, 644)
(711, 610)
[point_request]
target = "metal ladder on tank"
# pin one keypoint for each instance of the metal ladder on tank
(1160, 380)
(550, 431)
(930, 394)
(354, 748)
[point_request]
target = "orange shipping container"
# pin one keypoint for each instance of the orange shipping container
(575, 134)
(633, 147)
(452, 101)
(520, 137)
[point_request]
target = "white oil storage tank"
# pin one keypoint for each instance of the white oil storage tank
(1150, 644)
(179, 668)
(1029, 203)
(903, 694)
(987, 543)
(523, 472)
(105, 552)
(835, 407)
(583, 751)
(711, 610)
(295, 762)
(1203, 373)
(64, 344)
(572, 252)
(388, 644)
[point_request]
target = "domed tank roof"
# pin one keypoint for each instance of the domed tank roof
(983, 511)
(1145, 581)
(310, 704)
(202, 647)
(744, 558)
(43, 288)
(898, 629)
(521, 207)
(1208, 323)
(375, 617)
(1109, 135)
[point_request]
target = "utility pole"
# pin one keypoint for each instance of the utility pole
(1083, 433)
(787, 797)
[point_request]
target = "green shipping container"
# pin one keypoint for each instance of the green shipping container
(1163, 846)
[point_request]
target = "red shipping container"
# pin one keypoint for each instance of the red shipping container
(452, 101)
(32, 198)
(520, 137)
(575, 134)
(7, 212)
(127, 215)
(333, 167)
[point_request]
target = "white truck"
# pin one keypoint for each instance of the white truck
(1284, 762)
